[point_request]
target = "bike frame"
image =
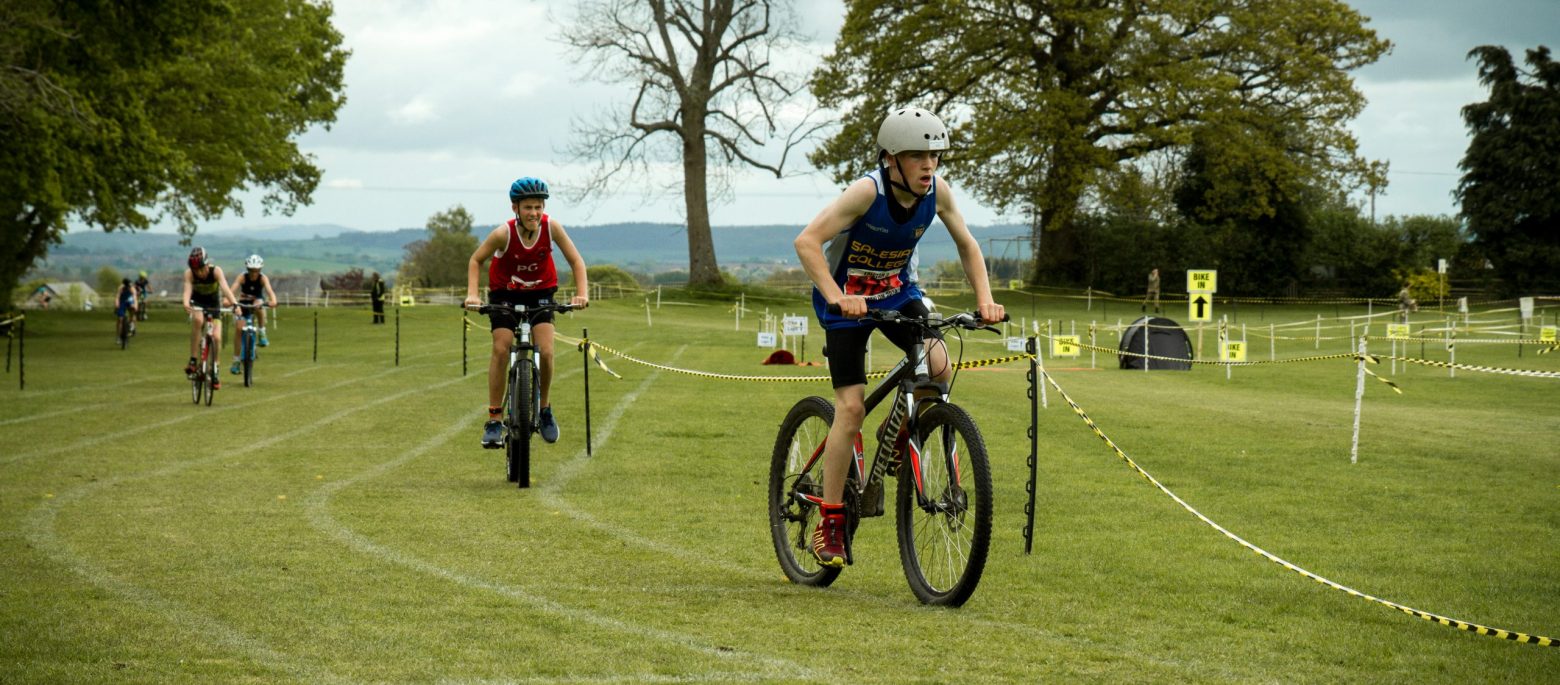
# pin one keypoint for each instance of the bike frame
(906, 379)
(246, 330)
(522, 345)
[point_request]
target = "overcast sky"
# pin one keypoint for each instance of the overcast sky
(450, 100)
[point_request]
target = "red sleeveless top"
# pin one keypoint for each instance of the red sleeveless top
(517, 267)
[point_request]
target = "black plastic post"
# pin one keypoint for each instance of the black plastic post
(463, 344)
(1034, 442)
(21, 355)
(398, 335)
(585, 353)
(316, 335)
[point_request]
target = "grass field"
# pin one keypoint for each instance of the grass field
(338, 523)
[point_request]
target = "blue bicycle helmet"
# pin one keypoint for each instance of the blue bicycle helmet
(526, 187)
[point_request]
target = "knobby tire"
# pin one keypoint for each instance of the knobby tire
(791, 519)
(944, 535)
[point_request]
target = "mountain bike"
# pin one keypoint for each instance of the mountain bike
(943, 500)
(248, 335)
(201, 382)
(123, 329)
(523, 392)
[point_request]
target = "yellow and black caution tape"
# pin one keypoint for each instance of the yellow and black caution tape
(711, 374)
(589, 348)
(1549, 349)
(1215, 362)
(1450, 341)
(1531, 373)
(1450, 622)
(771, 379)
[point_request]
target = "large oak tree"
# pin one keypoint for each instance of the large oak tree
(121, 113)
(1510, 187)
(708, 95)
(1048, 94)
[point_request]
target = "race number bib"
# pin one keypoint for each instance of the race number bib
(873, 285)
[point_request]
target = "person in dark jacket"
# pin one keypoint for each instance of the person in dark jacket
(376, 295)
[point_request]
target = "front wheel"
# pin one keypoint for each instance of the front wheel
(210, 373)
(522, 409)
(249, 358)
(945, 524)
(796, 487)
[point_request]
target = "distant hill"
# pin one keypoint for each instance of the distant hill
(643, 247)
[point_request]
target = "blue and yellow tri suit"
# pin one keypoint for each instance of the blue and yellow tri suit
(876, 257)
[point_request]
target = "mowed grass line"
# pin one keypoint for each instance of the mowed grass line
(664, 529)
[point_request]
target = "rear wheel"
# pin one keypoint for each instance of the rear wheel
(945, 526)
(795, 484)
(522, 410)
(124, 332)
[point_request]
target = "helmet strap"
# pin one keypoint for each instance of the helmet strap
(900, 184)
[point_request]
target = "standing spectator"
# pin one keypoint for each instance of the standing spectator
(1153, 292)
(376, 295)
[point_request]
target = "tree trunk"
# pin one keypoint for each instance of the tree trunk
(702, 268)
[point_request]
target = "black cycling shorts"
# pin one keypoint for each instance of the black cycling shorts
(529, 298)
(846, 347)
(210, 303)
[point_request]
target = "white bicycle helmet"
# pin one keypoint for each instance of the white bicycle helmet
(912, 128)
(254, 262)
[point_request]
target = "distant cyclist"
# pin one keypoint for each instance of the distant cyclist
(141, 286)
(872, 231)
(522, 272)
(124, 304)
(252, 286)
(204, 291)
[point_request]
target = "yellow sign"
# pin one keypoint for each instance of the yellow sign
(1397, 331)
(1202, 281)
(1065, 346)
(1199, 307)
(407, 301)
(1015, 284)
(1232, 350)
(1546, 334)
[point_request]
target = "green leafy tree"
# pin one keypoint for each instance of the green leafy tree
(108, 279)
(441, 260)
(708, 96)
(1048, 94)
(120, 114)
(1510, 187)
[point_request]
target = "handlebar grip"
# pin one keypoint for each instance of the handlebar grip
(832, 308)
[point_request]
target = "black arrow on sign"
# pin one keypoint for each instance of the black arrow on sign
(1201, 304)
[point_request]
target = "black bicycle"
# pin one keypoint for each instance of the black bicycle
(523, 394)
(943, 500)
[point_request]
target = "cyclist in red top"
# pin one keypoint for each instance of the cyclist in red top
(522, 272)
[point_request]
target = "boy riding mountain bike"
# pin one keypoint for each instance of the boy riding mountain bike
(125, 305)
(521, 271)
(205, 290)
(872, 231)
(252, 286)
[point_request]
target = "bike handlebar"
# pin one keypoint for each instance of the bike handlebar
(519, 308)
(968, 320)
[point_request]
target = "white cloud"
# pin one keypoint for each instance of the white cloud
(419, 110)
